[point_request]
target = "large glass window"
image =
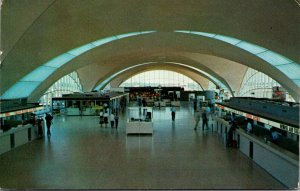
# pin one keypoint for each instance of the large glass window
(287, 66)
(68, 84)
(162, 77)
(258, 84)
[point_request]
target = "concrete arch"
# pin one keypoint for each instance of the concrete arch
(194, 75)
(216, 48)
(147, 51)
(55, 27)
(215, 79)
(198, 78)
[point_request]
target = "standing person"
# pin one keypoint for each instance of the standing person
(139, 100)
(40, 128)
(144, 104)
(232, 117)
(249, 126)
(197, 119)
(101, 120)
(112, 120)
(105, 107)
(105, 118)
(116, 120)
(48, 123)
(204, 120)
(81, 111)
(207, 109)
(32, 119)
(173, 112)
(274, 135)
(212, 104)
(230, 135)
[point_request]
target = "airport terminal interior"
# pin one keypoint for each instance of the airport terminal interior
(185, 94)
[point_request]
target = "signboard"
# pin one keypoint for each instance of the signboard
(21, 111)
(263, 120)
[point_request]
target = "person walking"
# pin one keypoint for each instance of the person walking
(204, 120)
(173, 112)
(101, 119)
(197, 119)
(48, 123)
(112, 120)
(105, 116)
(116, 120)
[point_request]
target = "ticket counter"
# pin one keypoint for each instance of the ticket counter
(89, 103)
(17, 136)
(279, 162)
(18, 124)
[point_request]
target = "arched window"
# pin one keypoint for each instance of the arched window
(258, 84)
(164, 78)
(68, 84)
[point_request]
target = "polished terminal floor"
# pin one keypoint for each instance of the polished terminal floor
(82, 155)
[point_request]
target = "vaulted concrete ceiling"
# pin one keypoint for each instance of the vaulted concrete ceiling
(34, 32)
(202, 81)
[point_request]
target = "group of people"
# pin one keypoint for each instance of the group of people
(114, 121)
(274, 135)
(39, 123)
(198, 114)
(104, 116)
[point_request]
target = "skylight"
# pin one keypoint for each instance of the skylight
(30, 82)
(274, 58)
(104, 41)
(82, 49)
(252, 48)
(37, 76)
(292, 70)
(282, 63)
(128, 35)
(227, 39)
(20, 90)
(59, 60)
